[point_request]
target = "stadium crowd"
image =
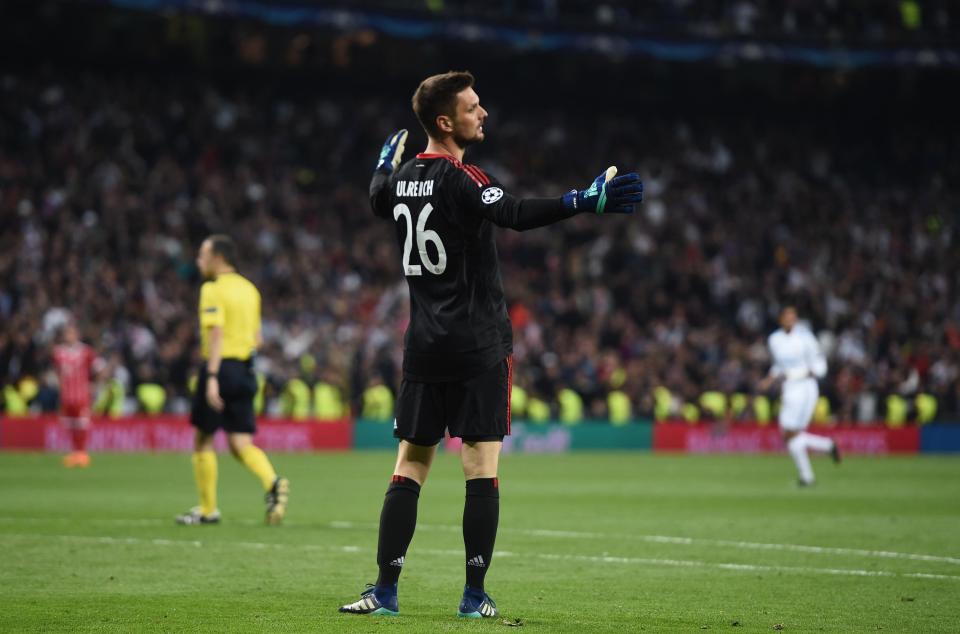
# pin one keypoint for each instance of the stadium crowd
(108, 185)
(847, 21)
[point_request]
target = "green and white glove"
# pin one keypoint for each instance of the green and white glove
(391, 152)
(609, 193)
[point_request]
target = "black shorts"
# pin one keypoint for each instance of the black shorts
(238, 387)
(475, 409)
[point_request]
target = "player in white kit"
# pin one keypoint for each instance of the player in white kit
(798, 363)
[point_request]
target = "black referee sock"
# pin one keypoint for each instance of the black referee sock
(481, 514)
(398, 519)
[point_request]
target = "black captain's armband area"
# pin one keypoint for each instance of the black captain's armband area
(530, 213)
(487, 198)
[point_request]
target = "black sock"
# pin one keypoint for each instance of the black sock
(398, 519)
(481, 513)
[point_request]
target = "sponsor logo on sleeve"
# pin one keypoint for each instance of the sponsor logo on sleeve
(491, 195)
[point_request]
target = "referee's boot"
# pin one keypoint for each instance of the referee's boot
(195, 517)
(378, 600)
(476, 604)
(276, 499)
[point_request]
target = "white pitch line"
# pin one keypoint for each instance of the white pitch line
(101, 539)
(747, 567)
(137, 541)
(602, 559)
(684, 541)
(557, 534)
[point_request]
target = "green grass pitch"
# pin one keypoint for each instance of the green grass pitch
(613, 542)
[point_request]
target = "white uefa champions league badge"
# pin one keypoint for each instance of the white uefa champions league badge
(491, 195)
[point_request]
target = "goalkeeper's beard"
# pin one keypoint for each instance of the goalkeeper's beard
(463, 143)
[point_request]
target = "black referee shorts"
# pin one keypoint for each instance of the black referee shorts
(475, 409)
(238, 387)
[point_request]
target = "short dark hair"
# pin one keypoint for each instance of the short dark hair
(437, 95)
(225, 247)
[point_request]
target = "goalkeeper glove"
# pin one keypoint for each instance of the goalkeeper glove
(608, 194)
(391, 152)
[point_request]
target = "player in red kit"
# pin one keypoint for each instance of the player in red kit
(74, 362)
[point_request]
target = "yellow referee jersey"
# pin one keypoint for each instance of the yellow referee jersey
(232, 302)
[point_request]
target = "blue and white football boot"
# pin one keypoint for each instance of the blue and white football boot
(476, 604)
(381, 601)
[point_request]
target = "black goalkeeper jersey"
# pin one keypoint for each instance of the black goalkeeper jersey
(444, 212)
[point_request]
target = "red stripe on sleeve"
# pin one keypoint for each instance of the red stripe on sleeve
(479, 173)
(466, 170)
(476, 174)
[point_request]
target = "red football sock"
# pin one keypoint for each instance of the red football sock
(79, 436)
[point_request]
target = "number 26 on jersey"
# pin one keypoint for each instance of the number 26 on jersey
(424, 237)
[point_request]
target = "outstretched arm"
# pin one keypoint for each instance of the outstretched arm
(607, 194)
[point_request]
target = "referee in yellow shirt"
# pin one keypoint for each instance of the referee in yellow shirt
(226, 386)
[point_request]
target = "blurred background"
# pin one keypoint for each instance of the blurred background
(803, 151)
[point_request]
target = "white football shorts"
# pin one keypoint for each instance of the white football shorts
(798, 400)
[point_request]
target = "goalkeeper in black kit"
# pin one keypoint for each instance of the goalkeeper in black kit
(457, 363)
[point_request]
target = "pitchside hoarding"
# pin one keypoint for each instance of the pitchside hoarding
(720, 438)
(531, 438)
(173, 433)
(169, 433)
